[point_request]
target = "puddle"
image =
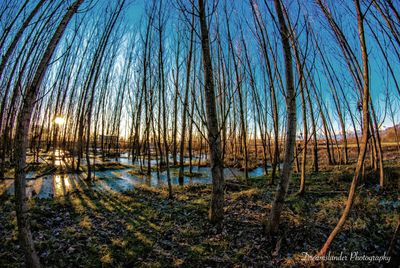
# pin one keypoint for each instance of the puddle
(120, 180)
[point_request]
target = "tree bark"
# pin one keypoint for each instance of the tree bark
(365, 131)
(185, 104)
(21, 140)
(216, 213)
(272, 223)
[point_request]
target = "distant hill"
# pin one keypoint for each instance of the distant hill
(389, 134)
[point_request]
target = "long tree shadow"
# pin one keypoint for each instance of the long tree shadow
(5, 186)
(116, 221)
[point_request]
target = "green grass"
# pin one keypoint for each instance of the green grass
(142, 228)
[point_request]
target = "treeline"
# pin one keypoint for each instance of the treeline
(282, 82)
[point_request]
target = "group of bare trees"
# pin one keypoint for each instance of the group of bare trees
(192, 78)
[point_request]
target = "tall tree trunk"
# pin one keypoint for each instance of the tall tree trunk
(21, 140)
(185, 104)
(163, 96)
(239, 88)
(305, 142)
(263, 39)
(273, 220)
(379, 148)
(175, 121)
(314, 131)
(365, 131)
(216, 213)
(303, 85)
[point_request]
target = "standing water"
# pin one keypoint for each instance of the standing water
(118, 180)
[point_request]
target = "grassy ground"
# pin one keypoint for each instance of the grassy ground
(142, 228)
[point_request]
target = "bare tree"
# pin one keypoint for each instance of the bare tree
(272, 224)
(21, 139)
(365, 130)
(214, 140)
(185, 102)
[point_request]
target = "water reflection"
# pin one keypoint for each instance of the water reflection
(58, 155)
(35, 187)
(59, 185)
(62, 185)
(5, 185)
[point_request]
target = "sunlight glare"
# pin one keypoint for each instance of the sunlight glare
(59, 120)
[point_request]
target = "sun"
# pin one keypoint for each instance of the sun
(59, 120)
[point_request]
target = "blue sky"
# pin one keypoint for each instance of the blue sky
(344, 13)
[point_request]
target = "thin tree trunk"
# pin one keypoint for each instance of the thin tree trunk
(163, 97)
(185, 104)
(216, 213)
(21, 140)
(272, 224)
(365, 131)
(175, 121)
(18, 35)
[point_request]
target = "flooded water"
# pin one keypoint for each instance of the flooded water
(119, 180)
